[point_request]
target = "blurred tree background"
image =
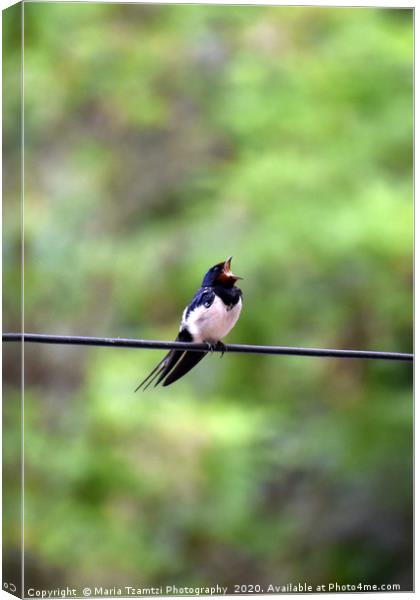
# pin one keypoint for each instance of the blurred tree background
(158, 141)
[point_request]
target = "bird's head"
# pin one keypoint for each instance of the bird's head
(220, 274)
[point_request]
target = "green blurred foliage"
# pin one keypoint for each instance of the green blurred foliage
(158, 141)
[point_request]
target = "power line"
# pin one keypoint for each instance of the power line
(78, 340)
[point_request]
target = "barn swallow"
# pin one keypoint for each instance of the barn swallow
(210, 316)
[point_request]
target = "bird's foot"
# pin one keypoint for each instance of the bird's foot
(216, 347)
(211, 346)
(220, 347)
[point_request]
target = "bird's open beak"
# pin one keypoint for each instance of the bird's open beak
(227, 270)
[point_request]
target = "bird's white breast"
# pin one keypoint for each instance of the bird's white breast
(213, 323)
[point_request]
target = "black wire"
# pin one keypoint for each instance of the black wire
(246, 348)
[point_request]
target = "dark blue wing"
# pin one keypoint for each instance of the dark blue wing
(174, 365)
(204, 297)
(178, 362)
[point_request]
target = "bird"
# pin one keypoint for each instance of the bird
(211, 314)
